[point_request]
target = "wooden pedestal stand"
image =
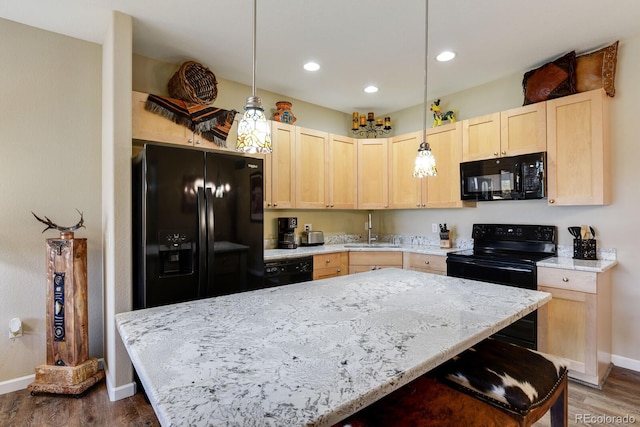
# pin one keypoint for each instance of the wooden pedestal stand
(69, 370)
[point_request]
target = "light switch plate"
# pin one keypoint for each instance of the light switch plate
(307, 227)
(434, 228)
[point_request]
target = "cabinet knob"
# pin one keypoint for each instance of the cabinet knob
(268, 204)
(326, 206)
(197, 141)
(551, 201)
(339, 270)
(426, 262)
(275, 204)
(190, 140)
(328, 261)
(386, 206)
(565, 279)
(423, 205)
(417, 205)
(495, 153)
(504, 152)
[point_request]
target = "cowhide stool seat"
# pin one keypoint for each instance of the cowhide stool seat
(491, 384)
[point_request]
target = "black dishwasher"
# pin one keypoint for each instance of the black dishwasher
(288, 271)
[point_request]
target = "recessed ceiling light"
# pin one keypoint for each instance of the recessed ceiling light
(371, 89)
(311, 66)
(445, 56)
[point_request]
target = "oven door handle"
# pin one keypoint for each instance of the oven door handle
(497, 266)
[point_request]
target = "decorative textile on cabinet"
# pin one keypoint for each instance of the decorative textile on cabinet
(212, 123)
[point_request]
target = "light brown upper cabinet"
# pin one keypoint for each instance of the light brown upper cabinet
(481, 137)
(405, 191)
(148, 126)
(523, 130)
(343, 170)
(441, 191)
(279, 167)
(512, 132)
(373, 174)
(578, 149)
(312, 168)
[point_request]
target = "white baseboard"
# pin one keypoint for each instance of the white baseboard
(16, 384)
(625, 362)
(118, 393)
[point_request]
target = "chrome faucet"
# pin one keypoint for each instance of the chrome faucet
(370, 238)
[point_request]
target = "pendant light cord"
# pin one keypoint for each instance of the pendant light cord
(253, 85)
(426, 57)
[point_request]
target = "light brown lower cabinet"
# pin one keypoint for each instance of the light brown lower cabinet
(427, 263)
(576, 323)
(330, 265)
(373, 260)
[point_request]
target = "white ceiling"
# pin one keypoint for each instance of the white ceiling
(357, 43)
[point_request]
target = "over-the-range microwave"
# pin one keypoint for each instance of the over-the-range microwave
(504, 178)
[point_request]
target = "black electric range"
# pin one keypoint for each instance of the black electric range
(507, 254)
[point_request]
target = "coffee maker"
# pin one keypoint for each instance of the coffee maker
(286, 232)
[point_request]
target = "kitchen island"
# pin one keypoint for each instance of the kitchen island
(313, 353)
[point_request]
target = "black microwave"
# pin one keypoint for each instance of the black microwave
(505, 178)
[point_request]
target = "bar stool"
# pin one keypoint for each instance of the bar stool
(491, 384)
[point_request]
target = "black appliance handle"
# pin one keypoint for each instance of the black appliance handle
(202, 242)
(492, 264)
(209, 284)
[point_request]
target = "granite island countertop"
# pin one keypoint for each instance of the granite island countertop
(312, 353)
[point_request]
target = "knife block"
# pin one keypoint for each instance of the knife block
(584, 249)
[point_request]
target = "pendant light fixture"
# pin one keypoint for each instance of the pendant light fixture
(254, 131)
(425, 162)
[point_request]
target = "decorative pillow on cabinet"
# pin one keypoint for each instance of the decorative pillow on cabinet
(552, 80)
(597, 69)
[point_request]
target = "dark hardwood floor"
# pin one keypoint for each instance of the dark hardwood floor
(620, 397)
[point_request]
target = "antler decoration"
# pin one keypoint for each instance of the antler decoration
(51, 225)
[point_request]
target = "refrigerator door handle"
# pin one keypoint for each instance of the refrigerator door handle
(202, 242)
(210, 284)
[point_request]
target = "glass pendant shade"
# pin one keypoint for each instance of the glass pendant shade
(254, 131)
(425, 163)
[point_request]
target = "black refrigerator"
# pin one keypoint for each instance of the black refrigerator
(197, 225)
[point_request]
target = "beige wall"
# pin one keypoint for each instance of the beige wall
(617, 225)
(50, 138)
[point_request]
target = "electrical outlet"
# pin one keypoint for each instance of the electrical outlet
(434, 228)
(307, 227)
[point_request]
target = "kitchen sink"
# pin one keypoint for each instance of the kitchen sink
(371, 245)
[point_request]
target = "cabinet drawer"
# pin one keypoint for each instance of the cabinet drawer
(326, 260)
(390, 259)
(582, 281)
(426, 262)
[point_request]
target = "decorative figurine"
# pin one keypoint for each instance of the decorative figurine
(438, 116)
(284, 113)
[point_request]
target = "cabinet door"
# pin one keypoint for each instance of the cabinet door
(373, 260)
(343, 172)
(443, 190)
(373, 191)
(281, 190)
(481, 137)
(563, 327)
(523, 130)
(578, 149)
(150, 126)
(576, 323)
(404, 189)
(311, 178)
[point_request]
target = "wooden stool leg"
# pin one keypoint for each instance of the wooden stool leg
(558, 412)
